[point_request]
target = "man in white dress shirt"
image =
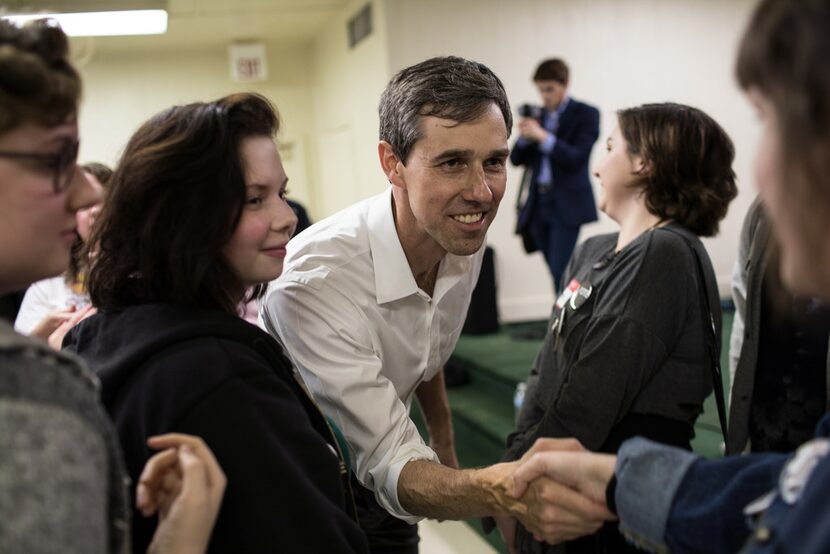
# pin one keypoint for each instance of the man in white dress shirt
(372, 300)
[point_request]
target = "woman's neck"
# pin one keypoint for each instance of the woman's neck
(634, 223)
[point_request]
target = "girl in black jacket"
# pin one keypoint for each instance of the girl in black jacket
(196, 217)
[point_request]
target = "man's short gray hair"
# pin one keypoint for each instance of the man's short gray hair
(448, 87)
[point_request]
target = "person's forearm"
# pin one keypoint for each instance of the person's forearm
(435, 406)
(432, 490)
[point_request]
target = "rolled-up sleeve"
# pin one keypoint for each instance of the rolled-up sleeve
(670, 500)
(648, 476)
(332, 345)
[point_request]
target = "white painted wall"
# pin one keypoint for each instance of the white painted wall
(346, 87)
(621, 53)
(123, 89)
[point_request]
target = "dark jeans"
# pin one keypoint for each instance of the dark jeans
(555, 240)
(386, 533)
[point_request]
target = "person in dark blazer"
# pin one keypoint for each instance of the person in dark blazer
(555, 145)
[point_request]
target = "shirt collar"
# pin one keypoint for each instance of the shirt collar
(393, 276)
(563, 105)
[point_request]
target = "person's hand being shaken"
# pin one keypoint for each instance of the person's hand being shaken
(563, 486)
(530, 129)
(184, 485)
(552, 511)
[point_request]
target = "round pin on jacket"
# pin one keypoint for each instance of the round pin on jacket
(581, 295)
(798, 470)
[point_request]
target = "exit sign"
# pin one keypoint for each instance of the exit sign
(248, 62)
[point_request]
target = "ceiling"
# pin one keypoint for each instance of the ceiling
(204, 23)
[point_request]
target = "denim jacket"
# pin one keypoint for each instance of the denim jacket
(669, 500)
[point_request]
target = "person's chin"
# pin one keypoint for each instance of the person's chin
(276, 271)
(264, 275)
(57, 265)
(607, 210)
(465, 247)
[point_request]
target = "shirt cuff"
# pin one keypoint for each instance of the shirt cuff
(546, 146)
(387, 493)
(648, 476)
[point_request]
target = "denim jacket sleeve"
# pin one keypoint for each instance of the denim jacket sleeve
(670, 500)
(648, 476)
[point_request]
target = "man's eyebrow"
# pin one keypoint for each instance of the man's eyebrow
(458, 153)
(450, 154)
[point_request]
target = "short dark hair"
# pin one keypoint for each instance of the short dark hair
(175, 200)
(552, 70)
(100, 171)
(79, 255)
(37, 82)
(448, 87)
(784, 54)
(688, 176)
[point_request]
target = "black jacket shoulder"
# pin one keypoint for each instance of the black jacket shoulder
(167, 368)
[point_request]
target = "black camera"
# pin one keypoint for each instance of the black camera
(530, 110)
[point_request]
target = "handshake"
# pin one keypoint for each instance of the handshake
(557, 490)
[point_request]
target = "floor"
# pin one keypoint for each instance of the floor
(451, 537)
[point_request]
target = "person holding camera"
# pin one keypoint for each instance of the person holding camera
(554, 146)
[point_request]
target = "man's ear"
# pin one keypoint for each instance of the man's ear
(390, 163)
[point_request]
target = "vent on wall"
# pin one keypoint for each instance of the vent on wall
(360, 26)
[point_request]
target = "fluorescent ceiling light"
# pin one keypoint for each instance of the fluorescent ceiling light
(100, 24)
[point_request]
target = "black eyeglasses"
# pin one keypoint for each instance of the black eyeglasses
(60, 163)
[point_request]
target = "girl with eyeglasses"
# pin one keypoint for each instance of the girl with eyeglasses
(62, 478)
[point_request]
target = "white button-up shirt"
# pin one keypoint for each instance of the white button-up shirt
(364, 336)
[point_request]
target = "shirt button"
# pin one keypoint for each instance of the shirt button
(763, 534)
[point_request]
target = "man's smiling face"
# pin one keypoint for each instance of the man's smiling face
(454, 179)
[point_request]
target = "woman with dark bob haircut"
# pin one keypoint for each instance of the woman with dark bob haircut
(196, 217)
(630, 347)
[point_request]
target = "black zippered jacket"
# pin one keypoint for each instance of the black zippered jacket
(169, 368)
